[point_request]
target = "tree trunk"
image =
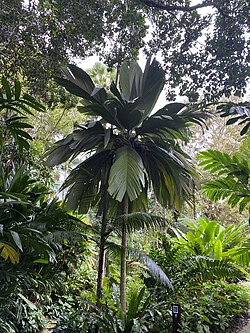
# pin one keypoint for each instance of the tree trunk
(101, 260)
(123, 257)
(194, 203)
(101, 263)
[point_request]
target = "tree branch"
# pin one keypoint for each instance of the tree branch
(160, 5)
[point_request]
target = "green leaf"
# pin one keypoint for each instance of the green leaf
(218, 250)
(17, 89)
(29, 303)
(126, 175)
(209, 232)
(41, 261)
(130, 79)
(7, 89)
(16, 239)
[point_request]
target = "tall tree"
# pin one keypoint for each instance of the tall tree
(204, 51)
(126, 150)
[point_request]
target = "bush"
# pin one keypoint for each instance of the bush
(212, 306)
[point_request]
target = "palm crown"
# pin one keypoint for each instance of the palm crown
(125, 147)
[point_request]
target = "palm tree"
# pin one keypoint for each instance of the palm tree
(126, 151)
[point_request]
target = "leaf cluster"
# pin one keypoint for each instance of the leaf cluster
(233, 178)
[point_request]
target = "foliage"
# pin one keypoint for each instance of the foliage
(128, 151)
(34, 232)
(209, 238)
(38, 37)
(212, 306)
(238, 113)
(207, 303)
(233, 180)
(206, 251)
(141, 317)
(166, 158)
(208, 306)
(14, 108)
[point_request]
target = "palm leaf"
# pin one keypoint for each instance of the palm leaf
(8, 252)
(172, 118)
(233, 178)
(153, 268)
(239, 113)
(83, 183)
(126, 174)
(140, 221)
(130, 80)
(210, 269)
(83, 139)
(11, 99)
(79, 83)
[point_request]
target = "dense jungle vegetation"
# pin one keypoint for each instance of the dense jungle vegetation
(115, 205)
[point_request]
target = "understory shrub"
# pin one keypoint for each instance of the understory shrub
(212, 307)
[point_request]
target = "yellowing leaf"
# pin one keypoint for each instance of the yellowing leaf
(8, 252)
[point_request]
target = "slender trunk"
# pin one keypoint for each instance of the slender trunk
(194, 203)
(101, 262)
(123, 257)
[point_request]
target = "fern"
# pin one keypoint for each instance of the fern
(233, 178)
(210, 269)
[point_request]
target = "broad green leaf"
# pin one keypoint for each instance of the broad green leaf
(126, 174)
(218, 250)
(130, 79)
(16, 239)
(209, 232)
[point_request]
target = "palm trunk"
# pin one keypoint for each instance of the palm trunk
(101, 261)
(123, 257)
(194, 203)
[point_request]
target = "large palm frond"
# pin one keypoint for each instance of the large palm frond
(144, 87)
(233, 178)
(17, 107)
(139, 221)
(209, 269)
(172, 121)
(126, 174)
(170, 173)
(153, 268)
(84, 181)
(84, 139)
